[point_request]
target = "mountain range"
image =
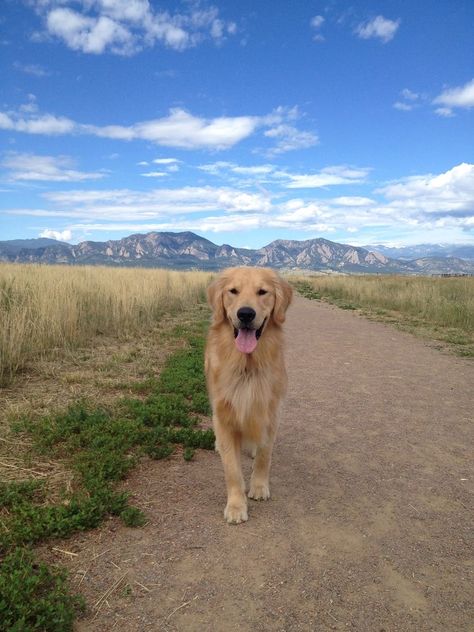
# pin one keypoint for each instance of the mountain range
(186, 250)
(408, 253)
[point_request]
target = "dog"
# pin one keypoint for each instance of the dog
(246, 376)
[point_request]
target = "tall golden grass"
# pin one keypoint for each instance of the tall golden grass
(43, 308)
(439, 302)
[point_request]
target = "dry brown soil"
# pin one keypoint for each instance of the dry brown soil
(370, 523)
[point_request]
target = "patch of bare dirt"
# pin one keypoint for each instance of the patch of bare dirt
(370, 523)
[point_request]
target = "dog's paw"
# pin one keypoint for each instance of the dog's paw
(236, 513)
(259, 491)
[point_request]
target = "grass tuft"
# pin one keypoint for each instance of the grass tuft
(133, 517)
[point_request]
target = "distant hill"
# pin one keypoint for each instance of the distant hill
(187, 250)
(15, 245)
(419, 251)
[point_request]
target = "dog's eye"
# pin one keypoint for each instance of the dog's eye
(233, 291)
(262, 292)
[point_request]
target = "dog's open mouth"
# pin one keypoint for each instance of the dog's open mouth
(246, 339)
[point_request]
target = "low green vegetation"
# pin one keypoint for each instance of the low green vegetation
(438, 308)
(100, 445)
(34, 596)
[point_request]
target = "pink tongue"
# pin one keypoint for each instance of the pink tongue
(246, 340)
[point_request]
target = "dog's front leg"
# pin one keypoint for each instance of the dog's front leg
(229, 446)
(260, 479)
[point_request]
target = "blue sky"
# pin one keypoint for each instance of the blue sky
(242, 121)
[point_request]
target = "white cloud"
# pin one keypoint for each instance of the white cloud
(450, 193)
(316, 22)
(281, 124)
(445, 112)
(179, 129)
(154, 174)
(87, 34)
(329, 176)
(165, 161)
(225, 168)
(31, 69)
(289, 138)
(215, 168)
(425, 205)
(404, 107)
(125, 27)
(183, 130)
(451, 98)
(379, 28)
(409, 95)
(409, 100)
(140, 205)
(65, 235)
(30, 167)
(214, 224)
(47, 124)
(256, 170)
(352, 201)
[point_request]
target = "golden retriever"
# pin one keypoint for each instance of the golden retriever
(246, 375)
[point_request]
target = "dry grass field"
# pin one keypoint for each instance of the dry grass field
(51, 308)
(437, 308)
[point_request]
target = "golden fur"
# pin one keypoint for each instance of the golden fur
(245, 389)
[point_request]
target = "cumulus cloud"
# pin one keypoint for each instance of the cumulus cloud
(179, 129)
(378, 28)
(125, 27)
(31, 167)
(184, 130)
(452, 98)
(89, 34)
(64, 235)
(47, 124)
(450, 193)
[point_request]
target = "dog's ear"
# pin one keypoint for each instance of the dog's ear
(214, 298)
(283, 296)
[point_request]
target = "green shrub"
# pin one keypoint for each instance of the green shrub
(34, 596)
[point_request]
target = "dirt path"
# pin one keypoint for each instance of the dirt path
(369, 523)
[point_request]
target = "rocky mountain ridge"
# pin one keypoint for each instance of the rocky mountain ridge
(186, 250)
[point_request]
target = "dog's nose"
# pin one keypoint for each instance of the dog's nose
(246, 315)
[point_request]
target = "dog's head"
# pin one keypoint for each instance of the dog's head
(249, 299)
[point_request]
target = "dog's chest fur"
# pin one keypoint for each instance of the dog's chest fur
(249, 392)
(245, 391)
